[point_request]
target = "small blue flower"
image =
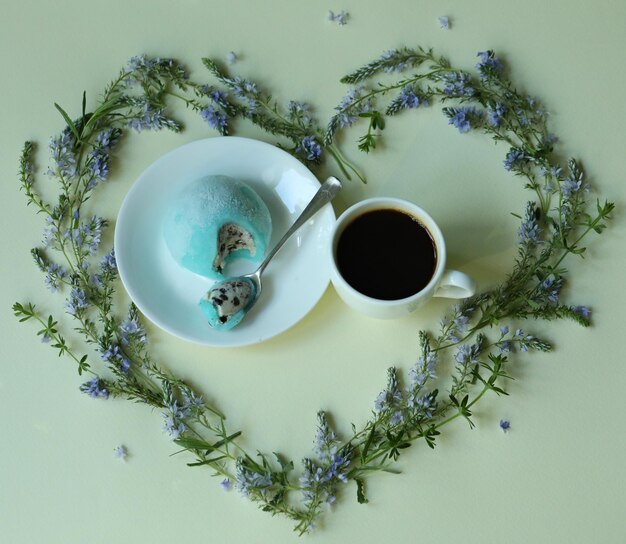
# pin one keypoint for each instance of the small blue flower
(495, 114)
(572, 185)
(325, 439)
(514, 159)
(249, 481)
(76, 302)
(425, 404)
(310, 149)
(120, 452)
(111, 352)
(458, 84)
(130, 330)
(107, 139)
(424, 369)
(409, 99)
(231, 58)
(463, 117)
(108, 263)
(95, 389)
(489, 65)
(551, 287)
(505, 346)
(173, 427)
(351, 106)
(340, 18)
(467, 354)
(98, 162)
(215, 118)
(529, 231)
(150, 118)
(582, 311)
(63, 153)
(391, 397)
(54, 275)
(396, 418)
(339, 467)
(392, 62)
(505, 425)
(444, 22)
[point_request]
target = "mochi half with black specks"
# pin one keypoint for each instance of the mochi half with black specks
(227, 302)
(215, 220)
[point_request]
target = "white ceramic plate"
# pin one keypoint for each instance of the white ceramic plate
(168, 294)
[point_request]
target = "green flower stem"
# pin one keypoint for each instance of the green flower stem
(343, 163)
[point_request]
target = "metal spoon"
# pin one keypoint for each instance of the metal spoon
(228, 301)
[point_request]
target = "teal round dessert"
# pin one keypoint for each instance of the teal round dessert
(215, 220)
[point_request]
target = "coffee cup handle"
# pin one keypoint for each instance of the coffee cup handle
(455, 284)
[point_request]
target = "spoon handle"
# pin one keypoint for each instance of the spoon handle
(327, 191)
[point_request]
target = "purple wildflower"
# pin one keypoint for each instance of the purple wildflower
(463, 117)
(310, 149)
(582, 311)
(495, 114)
(98, 163)
(325, 439)
(76, 302)
(95, 389)
(529, 231)
(108, 263)
(54, 275)
(467, 354)
(550, 288)
(458, 84)
(215, 118)
(573, 184)
(340, 18)
(391, 397)
(489, 65)
(120, 452)
(150, 118)
(514, 159)
(108, 138)
(505, 425)
(351, 106)
(62, 152)
(392, 62)
(130, 330)
(249, 482)
(231, 58)
(409, 99)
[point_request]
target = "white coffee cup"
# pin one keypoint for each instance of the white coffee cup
(443, 283)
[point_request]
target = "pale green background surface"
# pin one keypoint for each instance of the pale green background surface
(557, 476)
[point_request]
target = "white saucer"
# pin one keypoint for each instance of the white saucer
(168, 294)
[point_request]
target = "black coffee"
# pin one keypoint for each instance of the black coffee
(386, 254)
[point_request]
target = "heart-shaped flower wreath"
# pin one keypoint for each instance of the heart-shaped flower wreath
(553, 226)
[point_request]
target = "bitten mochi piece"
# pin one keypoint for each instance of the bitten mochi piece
(215, 220)
(227, 302)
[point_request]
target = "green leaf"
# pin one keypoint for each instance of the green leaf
(287, 466)
(391, 470)
(210, 461)
(226, 440)
(193, 444)
(69, 122)
(360, 491)
(368, 443)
